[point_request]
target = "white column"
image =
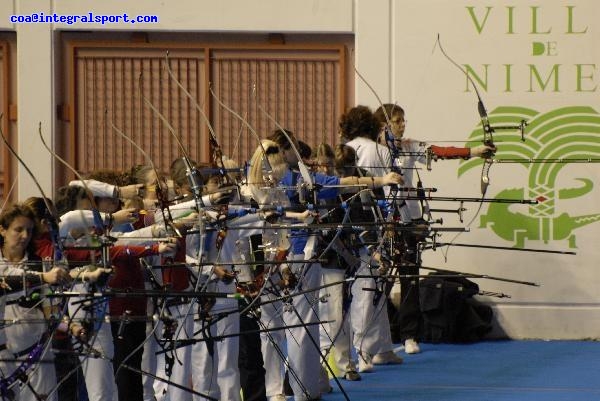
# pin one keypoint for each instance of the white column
(35, 91)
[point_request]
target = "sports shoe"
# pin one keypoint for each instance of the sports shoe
(324, 384)
(365, 362)
(387, 358)
(278, 397)
(411, 346)
(287, 388)
(352, 375)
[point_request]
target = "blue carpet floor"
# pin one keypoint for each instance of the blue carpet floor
(485, 371)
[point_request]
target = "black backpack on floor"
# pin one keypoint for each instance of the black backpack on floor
(450, 314)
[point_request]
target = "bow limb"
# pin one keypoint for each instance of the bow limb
(67, 165)
(135, 145)
(389, 137)
(244, 122)
(218, 155)
(488, 139)
(8, 380)
(35, 181)
(488, 129)
(31, 359)
(195, 186)
(373, 91)
(394, 154)
(192, 99)
(304, 172)
(54, 218)
(165, 122)
(98, 221)
(171, 130)
(101, 228)
(168, 223)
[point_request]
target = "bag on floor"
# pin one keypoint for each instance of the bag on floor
(450, 314)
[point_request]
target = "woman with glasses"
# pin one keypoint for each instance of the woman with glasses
(392, 122)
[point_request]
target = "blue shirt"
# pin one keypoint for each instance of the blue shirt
(300, 237)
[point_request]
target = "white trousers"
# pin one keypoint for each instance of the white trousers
(218, 375)
(272, 345)
(302, 341)
(181, 370)
(370, 322)
(336, 336)
(97, 372)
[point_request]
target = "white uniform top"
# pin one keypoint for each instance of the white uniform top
(22, 334)
(371, 156)
(377, 160)
(412, 151)
(7, 269)
(80, 219)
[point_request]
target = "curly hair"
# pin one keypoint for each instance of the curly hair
(359, 121)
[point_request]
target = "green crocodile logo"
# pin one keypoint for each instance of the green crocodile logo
(565, 133)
